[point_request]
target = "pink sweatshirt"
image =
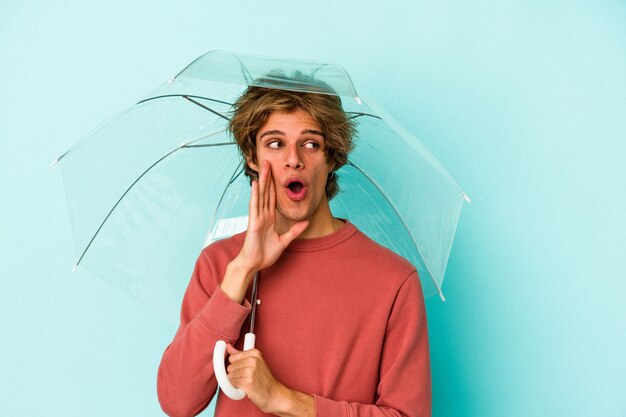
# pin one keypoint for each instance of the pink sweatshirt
(341, 318)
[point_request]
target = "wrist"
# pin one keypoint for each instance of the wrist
(237, 267)
(291, 403)
(236, 280)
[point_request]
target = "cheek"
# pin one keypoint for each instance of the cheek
(260, 158)
(266, 156)
(273, 168)
(321, 177)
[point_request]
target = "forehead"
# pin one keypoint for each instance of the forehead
(292, 122)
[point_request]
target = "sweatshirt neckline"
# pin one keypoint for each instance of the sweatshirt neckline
(324, 242)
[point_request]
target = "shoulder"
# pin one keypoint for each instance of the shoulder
(379, 274)
(376, 261)
(213, 259)
(224, 248)
(379, 253)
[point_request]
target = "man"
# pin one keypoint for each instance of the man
(341, 330)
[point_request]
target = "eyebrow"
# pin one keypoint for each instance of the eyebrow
(281, 133)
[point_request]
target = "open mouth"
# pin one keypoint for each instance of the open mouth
(296, 190)
(295, 187)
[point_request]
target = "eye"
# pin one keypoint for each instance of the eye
(273, 144)
(311, 145)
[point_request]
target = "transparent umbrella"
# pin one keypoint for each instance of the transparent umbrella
(147, 190)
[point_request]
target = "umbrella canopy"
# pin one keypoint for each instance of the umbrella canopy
(149, 188)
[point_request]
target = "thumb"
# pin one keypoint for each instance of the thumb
(231, 350)
(293, 232)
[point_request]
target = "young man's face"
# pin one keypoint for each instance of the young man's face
(294, 146)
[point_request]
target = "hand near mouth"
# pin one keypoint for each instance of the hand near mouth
(263, 245)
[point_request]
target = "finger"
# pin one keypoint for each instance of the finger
(293, 232)
(236, 380)
(242, 378)
(262, 187)
(268, 190)
(234, 354)
(231, 349)
(236, 368)
(272, 203)
(247, 363)
(238, 355)
(254, 200)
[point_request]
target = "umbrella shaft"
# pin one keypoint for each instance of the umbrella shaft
(255, 284)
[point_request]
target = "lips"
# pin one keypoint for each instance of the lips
(295, 188)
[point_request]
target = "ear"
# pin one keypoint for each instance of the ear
(252, 164)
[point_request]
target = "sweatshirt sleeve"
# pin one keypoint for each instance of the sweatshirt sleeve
(404, 387)
(186, 382)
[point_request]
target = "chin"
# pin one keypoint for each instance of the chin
(295, 214)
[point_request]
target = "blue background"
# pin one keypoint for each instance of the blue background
(523, 102)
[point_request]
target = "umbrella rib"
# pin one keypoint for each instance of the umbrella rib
(244, 71)
(208, 145)
(233, 177)
(375, 184)
(355, 115)
(207, 108)
(131, 186)
(185, 95)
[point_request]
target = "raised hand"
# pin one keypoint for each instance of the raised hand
(263, 245)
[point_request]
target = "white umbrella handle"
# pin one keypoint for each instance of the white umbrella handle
(219, 353)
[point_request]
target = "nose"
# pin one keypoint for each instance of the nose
(293, 159)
